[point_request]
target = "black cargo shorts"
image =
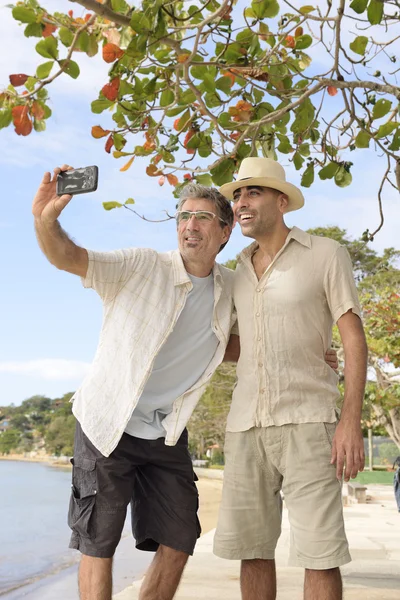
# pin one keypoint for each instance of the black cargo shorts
(157, 480)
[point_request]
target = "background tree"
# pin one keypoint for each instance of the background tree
(195, 88)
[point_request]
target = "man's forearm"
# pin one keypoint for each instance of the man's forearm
(355, 373)
(59, 249)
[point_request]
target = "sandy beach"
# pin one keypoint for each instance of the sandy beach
(210, 491)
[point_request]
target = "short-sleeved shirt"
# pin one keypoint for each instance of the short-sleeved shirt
(180, 363)
(285, 325)
(143, 294)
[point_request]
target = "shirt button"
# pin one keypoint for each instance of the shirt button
(259, 339)
(260, 364)
(263, 391)
(258, 290)
(257, 314)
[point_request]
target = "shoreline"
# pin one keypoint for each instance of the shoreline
(49, 460)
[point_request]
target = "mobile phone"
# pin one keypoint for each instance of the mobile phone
(77, 181)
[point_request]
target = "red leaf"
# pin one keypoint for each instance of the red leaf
(109, 144)
(152, 171)
(48, 30)
(110, 90)
(188, 136)
(21, 120)
(37, 111)
(111, 52)
(19, 79)
(187, 176)
(172, 179)
(332, 91)
(98, 132)
(290, 41)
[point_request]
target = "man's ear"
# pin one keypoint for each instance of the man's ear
(283, 202)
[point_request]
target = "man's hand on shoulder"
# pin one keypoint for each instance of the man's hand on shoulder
(348, 449)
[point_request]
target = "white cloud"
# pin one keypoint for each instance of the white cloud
(47, 368)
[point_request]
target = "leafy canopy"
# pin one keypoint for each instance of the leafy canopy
(196, 87)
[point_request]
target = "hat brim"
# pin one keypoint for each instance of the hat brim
(296, 198)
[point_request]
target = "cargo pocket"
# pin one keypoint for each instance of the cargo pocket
(83, 496)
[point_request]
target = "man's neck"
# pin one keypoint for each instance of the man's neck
(272, 242)
(198, 269)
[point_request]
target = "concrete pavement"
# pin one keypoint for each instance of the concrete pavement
(373, 531)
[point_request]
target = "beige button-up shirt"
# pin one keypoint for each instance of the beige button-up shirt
(143, 294)
(285, 325)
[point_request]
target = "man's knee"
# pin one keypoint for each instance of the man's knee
(171, 555)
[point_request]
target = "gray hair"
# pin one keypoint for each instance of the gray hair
(222, 205)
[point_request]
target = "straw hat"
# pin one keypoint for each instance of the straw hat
(264, 172)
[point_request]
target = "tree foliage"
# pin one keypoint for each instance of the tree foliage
(195, 88)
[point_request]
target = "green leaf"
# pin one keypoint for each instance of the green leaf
(304, 10)
(304, 150)
(395, 145)
(66, 36)
(208, 82)
(362, 139)
(130, 201)
(381, 108)
(224, 120)
(93, 46)
(308, 176)
(359, 45)
(172, 112)
(298, 160)
(30, 83)
(25, 15)
(285, 146)
(98, 106)
(204, 179)
(83, 41)
(5, 118)
(48, 47)
(72, 68)
(359, 6)
(111, 205)
(44, 69)
(303, 42)
(120, 6)
(223, 173)
(212, 100)
(328, 172)
(375, 12)
(343, 177)
(385, 130)
(184, 120)
(33, 30)
(140, 23)
(265, 9)
(167, 97)
(119, 141)
(224, 84)
(39, 125)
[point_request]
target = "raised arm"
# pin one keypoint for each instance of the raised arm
(59, 249)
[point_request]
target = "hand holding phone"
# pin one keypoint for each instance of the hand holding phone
(77, 181)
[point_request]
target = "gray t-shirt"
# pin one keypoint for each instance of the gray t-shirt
(180, 363)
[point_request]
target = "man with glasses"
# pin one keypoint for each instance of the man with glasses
(167, 320)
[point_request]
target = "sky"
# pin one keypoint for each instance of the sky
(49, 324)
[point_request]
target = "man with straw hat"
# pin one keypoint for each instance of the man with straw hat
(283, 430)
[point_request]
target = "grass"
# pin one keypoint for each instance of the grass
(380, 477)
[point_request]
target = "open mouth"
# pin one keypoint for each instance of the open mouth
(192, 239)
(245, 217)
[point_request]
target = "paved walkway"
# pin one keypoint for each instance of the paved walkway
(373, 531)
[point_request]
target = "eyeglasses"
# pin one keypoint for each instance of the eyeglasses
(204, 216)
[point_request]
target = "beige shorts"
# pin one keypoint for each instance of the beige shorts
(295, 459)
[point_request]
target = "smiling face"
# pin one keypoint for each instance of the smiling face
(199, 241)
(258, 210)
